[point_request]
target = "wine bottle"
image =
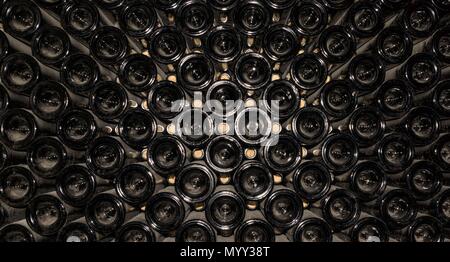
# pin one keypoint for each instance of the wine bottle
(195, 228)
(54, 6)
(440, 207)
(309, 72)
(365, 71)
(393, 45)
(339, 152)
(105, 157)
(137, 19)
(422, 71)
(310, 126)
(78, 231)
(311, 181)
(166, 155)
(309, 19)
(194, 19)
(255, 229)
(80, 19)
(395, 152)
(223, 45)
(396, 207)
(137, 128)
(340, 208)
(19, 186)
(281, 97)
(19, 232)
(224, 98)
(422, 124)
(253, 181)
(194, 127)
(280, 45)
(49, 100)
(336, 45)
(106, 212)
(166, 100)
(109, 46)
(76, 185)
(370, 229)
(368, 181)
(137, 73)
(166, 47)
(282, 153)
(166, 9)
(440, 151)
(365, 19)
(46, 214)
(424, 180)
(135, 184)
(21, 19)
(50, 45)
(366, 229)
(19, 72)
(19, 127)
(77, 128)
(438, 98)
(165, 211)
(337, 99)
(425, 229)
(419, 19)
(394, 98)
(47, 156)
(80, 73)
(440, 45)
(224, 154)
(108, 100)
(195, 183)
(253, 71)
(283, 208)
(312, 228)
(251, 19)
(195, 72)
(223, 10)
(135, 230)
(253, 126)
(225, 210)
(366, 126)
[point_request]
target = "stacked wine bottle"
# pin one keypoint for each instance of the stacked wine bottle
(224, 120)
